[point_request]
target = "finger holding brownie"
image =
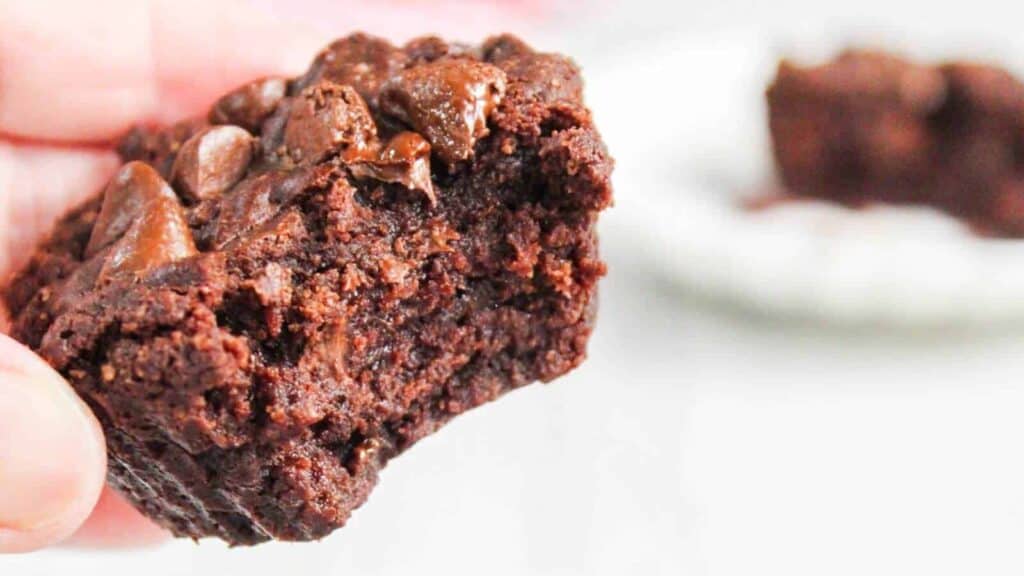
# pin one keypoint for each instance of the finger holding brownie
(71, 80)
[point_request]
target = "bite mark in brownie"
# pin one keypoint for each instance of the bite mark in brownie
(267, 304)
(871, 126)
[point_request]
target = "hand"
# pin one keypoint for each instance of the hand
(72, 78)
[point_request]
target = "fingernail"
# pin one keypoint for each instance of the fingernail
(51, 454)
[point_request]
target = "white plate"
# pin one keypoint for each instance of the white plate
(687, 125)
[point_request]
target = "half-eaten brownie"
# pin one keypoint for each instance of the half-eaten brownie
(267, 304)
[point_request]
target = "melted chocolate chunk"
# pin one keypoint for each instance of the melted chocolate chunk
(503, 47)
(448, 101)
(158, 147)
(159, 237)
(256, 200)
(133, 191)
(212, 161)
(361, 61)
(327, 118)
(430, 48)
(249, 105)
(544, 92)
(272, 146)
(404, 160)
(143, 220)
(546, 78)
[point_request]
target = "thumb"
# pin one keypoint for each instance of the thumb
(52, 457)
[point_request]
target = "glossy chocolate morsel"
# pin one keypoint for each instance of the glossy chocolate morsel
(361, 61)
(404, 160)
(430, 48)
(499, 48)
(158, 146)
(126, 197)
(250, 104)
(143, 219)
(448, 101)
(327, 118)
(550, 79)
(212, 161)
(271, 145)
(248, 205)
(160, 237)
(256, 200)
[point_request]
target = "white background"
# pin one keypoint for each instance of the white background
(699, 438)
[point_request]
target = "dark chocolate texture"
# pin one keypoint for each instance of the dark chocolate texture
(267, 304)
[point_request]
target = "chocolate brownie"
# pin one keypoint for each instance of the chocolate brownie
(870, 126)
(267, 304)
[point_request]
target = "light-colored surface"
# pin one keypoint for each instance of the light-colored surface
(698, 439)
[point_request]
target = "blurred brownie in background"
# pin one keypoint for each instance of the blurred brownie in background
(874, 127)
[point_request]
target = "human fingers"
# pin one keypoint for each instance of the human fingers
(52, 456)
(114, 523)
(84, 71)
(37, 184)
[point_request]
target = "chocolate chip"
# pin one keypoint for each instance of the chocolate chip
(272, 132)
(78, 285)
(327, 118)
(426, 48)
(247, 206)
(448, 101)
(257, 199)
(498, 48)
(125, 198)
(361, 61)
(249, 105)
(280, 230)
(143, 219)
(212, 161)
(160, 237)
(430, 48)
(545, 79)
(404, 160)
(157, 146)
(545, 94)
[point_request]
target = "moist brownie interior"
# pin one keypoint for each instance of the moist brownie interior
(871, 126)
(267, 304)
